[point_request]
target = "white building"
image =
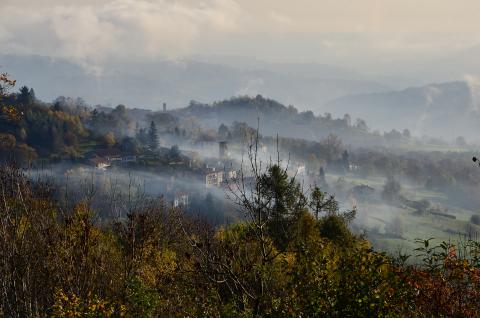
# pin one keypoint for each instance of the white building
(180, 200)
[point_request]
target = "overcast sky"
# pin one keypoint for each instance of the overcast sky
(339, 31)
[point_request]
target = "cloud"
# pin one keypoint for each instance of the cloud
(89, 34)
(281, 19)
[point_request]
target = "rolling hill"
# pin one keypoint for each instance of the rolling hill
(445, 110)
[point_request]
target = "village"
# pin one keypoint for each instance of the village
(213, 172)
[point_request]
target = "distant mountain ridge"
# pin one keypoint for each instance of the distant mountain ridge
(150, 83)
(445, 109)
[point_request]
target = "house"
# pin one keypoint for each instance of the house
(131, 158)
(180, 200)
(111, 155)
(100, 163)
(353, 167)
(214, 178)
(231, 174)
(218, 176)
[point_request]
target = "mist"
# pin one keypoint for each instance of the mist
(365, 62)
(348, 96)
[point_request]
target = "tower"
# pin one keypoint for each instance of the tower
(164, 107)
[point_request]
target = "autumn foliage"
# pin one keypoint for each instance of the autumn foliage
(290, 255)
(158, 262)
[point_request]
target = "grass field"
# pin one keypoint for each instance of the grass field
(375, 216)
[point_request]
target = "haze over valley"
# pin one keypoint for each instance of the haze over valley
(225, 158)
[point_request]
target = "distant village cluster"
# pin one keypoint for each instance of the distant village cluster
(216, 171)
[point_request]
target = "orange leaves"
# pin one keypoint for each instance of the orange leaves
(4, 78)
(450, 290)
(12, 114)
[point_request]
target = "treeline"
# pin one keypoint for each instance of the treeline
(293, 255)
(30, 129)
(66, 128)
(449, 172)
(276, 117)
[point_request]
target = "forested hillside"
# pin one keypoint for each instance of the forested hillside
(282, 249)
(273, 115)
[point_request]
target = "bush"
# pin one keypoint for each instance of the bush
(475, 219)
(334, 228)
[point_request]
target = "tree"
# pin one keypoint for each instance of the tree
(321, 202)
(335, 228)
(223, 132)
(391, 189)
(26, 96)
(130, 145)
(8, 112)
(55, 138)
(360, 124)
(109, 139)
(174, 153)
(393, 135)
(153, 136)
(333, 147)
(286, 203)
(475, 219)
(5, 84)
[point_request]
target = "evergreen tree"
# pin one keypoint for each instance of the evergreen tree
(285, 203)
(153, 136)
(174, 153)
(322, 202)
(26, 96)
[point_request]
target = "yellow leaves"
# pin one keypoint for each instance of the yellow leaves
(109, 139)
(22, 227)
(10, 113)
(69, 305)
(288, 259)
(231, 233)
(156, 264)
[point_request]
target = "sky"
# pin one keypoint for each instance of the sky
(338, 31)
